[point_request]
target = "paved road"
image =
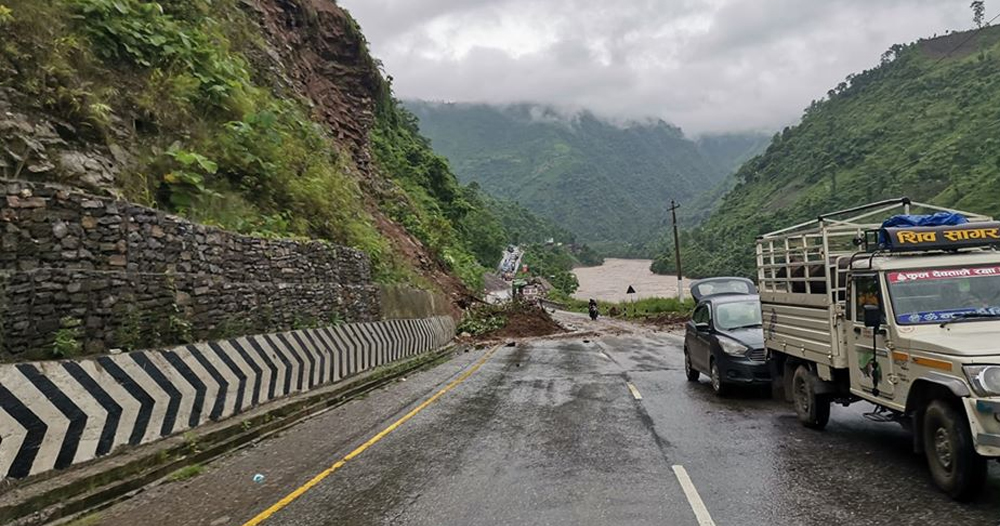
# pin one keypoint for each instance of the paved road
(549, 432)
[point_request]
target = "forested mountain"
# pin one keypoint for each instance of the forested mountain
(728, 151)
(608, 183)
(269, 118)
(924, 123)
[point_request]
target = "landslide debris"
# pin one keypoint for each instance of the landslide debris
(515, 319)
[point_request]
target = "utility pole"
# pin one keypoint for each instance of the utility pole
(677, 250)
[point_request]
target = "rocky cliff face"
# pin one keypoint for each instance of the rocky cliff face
(253, 115)
(311, 49)
(35, 145)
(317, 48)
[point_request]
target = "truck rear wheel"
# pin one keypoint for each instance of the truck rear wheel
(951, 454)
(813, 409)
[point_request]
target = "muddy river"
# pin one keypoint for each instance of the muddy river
(610, 281)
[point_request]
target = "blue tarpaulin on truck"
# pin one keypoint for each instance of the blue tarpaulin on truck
(936, 219)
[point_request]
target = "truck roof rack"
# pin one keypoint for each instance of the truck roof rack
(808, 260)
(871, 211)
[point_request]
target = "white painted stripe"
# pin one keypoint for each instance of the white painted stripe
(602, 353)
(211, 386)
(700, 511)
(314, 352)
(279, 382)
(364, 335)
(160, 398)
(130, 406)
(11, 437)
(357, 348)
(335, 353)
(384, 339)
(265, 371)
(34, 400)
(407, 336)
(322, 349)
(247, 371)
(294, 354)
(397, 341)
(96, 414)
(234, 383)
(635, 392)
(175, 379)
(346, 343)
(303, 352)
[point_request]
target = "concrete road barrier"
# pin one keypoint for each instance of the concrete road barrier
(59, 413)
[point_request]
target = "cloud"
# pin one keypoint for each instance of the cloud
(706, 65)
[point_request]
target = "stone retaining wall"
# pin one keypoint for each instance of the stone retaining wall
(111, 274)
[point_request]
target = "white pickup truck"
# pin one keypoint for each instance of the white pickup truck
(905, 318)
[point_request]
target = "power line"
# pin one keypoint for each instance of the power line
(964, 42)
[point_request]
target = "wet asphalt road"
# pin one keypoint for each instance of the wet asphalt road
(548, 432)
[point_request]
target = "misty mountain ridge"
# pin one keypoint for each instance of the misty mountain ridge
(609, 181)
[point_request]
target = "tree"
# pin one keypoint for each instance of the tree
(978, 12)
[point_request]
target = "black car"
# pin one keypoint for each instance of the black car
(725, 338)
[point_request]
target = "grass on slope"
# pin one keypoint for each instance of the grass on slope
(217, 141)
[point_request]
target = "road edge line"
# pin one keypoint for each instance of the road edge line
(697, 505)
(301, 490)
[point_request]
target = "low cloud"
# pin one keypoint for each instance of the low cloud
(705, 65)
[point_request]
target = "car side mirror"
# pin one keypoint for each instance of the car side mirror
(873, 317)
(702, 327)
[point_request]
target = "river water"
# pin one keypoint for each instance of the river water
(610, 281)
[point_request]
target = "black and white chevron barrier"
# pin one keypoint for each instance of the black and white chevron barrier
(59, 413)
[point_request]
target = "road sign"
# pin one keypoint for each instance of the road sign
(630, 290)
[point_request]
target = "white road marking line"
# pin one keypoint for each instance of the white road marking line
(635, 392)
(606, 356)
(700, 511)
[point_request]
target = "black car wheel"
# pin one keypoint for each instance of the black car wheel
(692, 374)
(813, 409)
(951, 456)
(721, 388)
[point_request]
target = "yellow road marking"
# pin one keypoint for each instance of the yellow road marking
(635, 392)
(288, 499)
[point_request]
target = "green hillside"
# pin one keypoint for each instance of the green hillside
(219, 110)
(728, 151)
(608, 184)
(923, 124)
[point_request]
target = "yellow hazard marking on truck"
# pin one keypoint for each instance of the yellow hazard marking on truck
(288, 499)
(932, 363)
(900, 356)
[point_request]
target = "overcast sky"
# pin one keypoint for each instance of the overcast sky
(705, 65)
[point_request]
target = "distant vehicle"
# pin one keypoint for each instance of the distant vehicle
(722, 285)
(724, 338)
(902, 313)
